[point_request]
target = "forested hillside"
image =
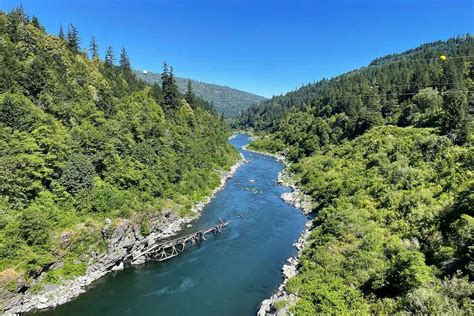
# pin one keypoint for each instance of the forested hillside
(414, 88)
(386, 153)
(227, 101)
(82, 140)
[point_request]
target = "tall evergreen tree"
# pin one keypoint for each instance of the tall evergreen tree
(36, 23)
(18, 18)
(164, 74)
(455, 119)
(94, 49)
(190, 97)
(37, 77)
(156, 93)
(109, 57)
(11, 72)
(124, 62)
(73, 39)
(169, 89)
(18, 15)
(61, 32)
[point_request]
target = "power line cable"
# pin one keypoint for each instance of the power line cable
(375, 95)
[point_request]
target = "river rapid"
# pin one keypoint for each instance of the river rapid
(228, 274)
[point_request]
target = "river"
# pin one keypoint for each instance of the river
(229, 274)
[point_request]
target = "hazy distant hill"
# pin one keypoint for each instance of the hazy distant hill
(226, 100)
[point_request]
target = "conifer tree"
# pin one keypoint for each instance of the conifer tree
(164, 74)
(190, 97)
(94, 49)
(36, 23)
(124, 60)
(455, 119)
(61, 32)
(73, 39)
(169, 89)
(109, 57)
(17, 17)
(156, 92)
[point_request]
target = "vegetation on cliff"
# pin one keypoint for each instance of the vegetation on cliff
(82, 140)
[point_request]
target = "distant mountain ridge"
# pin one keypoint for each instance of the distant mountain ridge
(228, 101)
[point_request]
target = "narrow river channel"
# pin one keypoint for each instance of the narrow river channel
(229, 274)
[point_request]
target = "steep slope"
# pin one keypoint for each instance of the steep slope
(83, 143)
(395, 226)
(227, 101)
(383, 92)
(395, 217)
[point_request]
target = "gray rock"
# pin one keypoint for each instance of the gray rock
(65, 240)
(118, 267)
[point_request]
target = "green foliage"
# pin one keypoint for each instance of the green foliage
(455, 120)
(94, 49)
(61, 35)
(394, 225)
(145, 227)
(73, 39)
(267, 144)
(19, 113)
(78, 174)
(124, 62)
(394, 205)
(189, 96)
(429, 104)
(109, 59)
(170, 89)
(81, 140)
(107, 198)
(23, 167)
(69, 270)
(280, 304)
(414, 88)
(33, 227)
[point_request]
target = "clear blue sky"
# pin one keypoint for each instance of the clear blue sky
(264, 47)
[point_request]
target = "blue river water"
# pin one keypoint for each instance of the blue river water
(229, 274)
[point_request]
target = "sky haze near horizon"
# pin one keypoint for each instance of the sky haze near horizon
(263, 47)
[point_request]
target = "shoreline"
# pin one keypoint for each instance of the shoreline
(302, 201)
(280, 158)
(123, 243)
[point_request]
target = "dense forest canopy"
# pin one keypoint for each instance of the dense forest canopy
(415, 88)
(83, 139)
(386, 152)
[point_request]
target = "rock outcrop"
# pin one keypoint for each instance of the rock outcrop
(123, 239)
(296, 197)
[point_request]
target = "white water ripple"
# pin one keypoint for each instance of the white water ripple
(185, 285)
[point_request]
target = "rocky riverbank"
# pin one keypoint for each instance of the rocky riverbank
(276, 156)
(123, 239)
(280, 302)
(296, 197)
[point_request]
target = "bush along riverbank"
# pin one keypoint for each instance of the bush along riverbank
(122, 239)
(393, 230)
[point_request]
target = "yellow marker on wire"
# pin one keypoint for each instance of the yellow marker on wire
(443, 58)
